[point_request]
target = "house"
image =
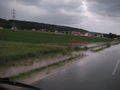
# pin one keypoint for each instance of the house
(1, 28)
(59, 32)
(56, 31)
(88, 34)
(33, 29)
(13, 28)
(81, 34)
(75, 33)
(43, 30)
(99, 35)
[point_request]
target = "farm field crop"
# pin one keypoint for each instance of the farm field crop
(43, 37)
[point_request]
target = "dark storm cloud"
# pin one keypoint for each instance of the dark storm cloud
(5, 10)
(53, 5)
(94, 15)
(56, 11)
(60, 18)
(105, 7)
(71, 5)
(30, 2)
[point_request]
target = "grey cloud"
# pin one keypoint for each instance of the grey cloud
(53, 5)
(60, 4)
(54, 10)
(59, 18)
(30, 2)
(5, 10)
(67, 12)
(104, 7)
(109, 8)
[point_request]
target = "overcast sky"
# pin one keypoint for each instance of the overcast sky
(92, 15)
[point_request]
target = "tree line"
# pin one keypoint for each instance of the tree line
(28, 25)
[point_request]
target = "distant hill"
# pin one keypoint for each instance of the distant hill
(30, 25)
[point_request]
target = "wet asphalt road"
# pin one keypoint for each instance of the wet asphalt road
(99, 71)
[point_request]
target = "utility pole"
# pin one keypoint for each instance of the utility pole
(13, 18)
(13, 14)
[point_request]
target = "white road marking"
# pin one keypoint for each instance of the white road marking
(116, 67)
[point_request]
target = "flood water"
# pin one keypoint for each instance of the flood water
(98, 71)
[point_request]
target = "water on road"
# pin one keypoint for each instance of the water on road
(98, 71)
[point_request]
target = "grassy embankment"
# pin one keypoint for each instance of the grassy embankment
(11, 52)
(31, 72)
(24, 46)
(100, 48)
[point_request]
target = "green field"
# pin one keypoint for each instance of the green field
(21, 47)
(41, 37)
(25, 52)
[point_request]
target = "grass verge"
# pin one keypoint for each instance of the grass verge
(29, 73)
(12, 52)
(100, 48)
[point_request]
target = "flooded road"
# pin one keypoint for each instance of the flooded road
(98, 71)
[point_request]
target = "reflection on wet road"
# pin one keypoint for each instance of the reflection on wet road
(99, 71)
